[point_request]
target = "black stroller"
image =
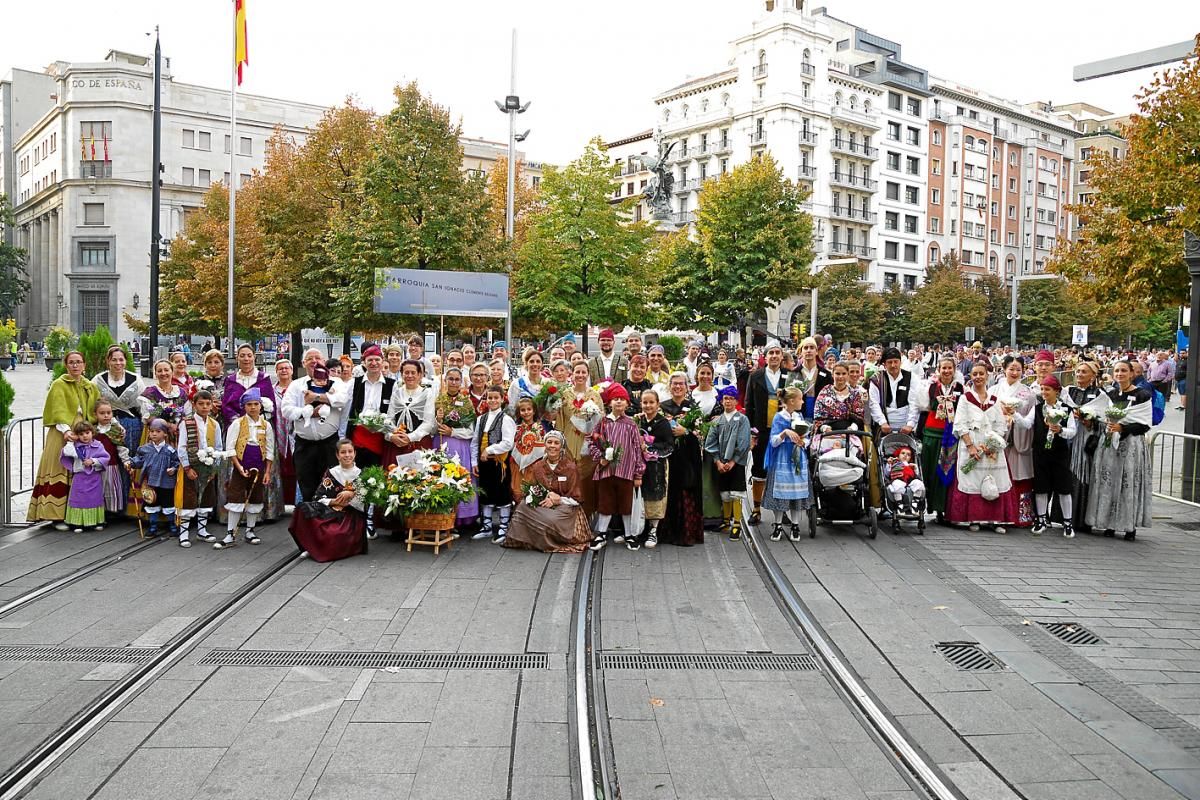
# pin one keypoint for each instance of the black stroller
(908, 507)
(840, 483)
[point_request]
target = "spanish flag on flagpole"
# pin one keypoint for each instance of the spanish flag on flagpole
(240, 51)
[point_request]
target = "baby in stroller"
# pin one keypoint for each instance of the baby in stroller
(903, 475)
(841, 461)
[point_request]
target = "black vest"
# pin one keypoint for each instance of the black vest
(884, 386)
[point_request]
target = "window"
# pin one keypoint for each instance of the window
(93, 253)
(910, 223)
(913, 107)
(244, 146)
(724, 165)
(995, 181)
(889, 279)
(93, 310)
(893, 133)
(893, 191)
(911, 195)
(936, 166)
(935, 224)
(893, 161)
(891, 250)
(895, 101)
(204, 140)
(94, 138)
(227, 143)
(189, 138)
(995, 154)
(1010, 264)
(937, 137)
(910, 253)
(995, 209)
(703, 170)
(954, 169)
(910, 283)
(724, 137)
(53, 142)
(244, 177)
(225, 180)
(953, 227)
(1012, 212)
(1012, 184)
(934, 254)
(912, 165)
(93, 213)
(891, 221)
(913, 136)
(683, 175)
(935, 196)
(189, 176)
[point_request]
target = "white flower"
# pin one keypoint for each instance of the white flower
(608, 454)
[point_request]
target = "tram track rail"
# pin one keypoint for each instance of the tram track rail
(44, 757)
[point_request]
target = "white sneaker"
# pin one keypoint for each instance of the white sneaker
(1000, 529)
(484, 533)
(619, 538)
(651, 541)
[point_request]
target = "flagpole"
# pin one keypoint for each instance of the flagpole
(233, 177)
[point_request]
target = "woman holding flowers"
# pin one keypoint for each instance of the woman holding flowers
(982, 492)
(529, 445)
(548, 516)
(1087, 401)
(332, 524)
(71, 399)
(577, 419)
(1053, 429)
(456, 415)
(705, 395)
(164, 399)
(1015, 398)
(660, 444)
(940, 445)
(529, 383)
(1120, 494)
(684, 522)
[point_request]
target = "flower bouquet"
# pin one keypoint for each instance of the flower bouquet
(368, 430)
(1114, 414)
(455, 412)
(373, 422)
(211, 456)
(650, 453)
(431, 483)
(801, 427)
(1054, 415)
(992, 444)
(168, 412)
(549, 398)
(611, 452)
(534, 493)
(691, 420)
(800, 381)
(586, 415)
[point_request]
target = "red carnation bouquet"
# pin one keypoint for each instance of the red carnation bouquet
(549, 398)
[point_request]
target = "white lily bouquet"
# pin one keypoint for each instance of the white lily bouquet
(800, 381)
(1114, 414)
(211, 456)
(1054, 415)
(374, 422)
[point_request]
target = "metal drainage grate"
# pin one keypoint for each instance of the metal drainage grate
(1071, 632)
(801, 662)
(969, 656)
(99, 655)
(373, 660)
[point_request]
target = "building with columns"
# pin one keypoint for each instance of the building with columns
(80, 174)
(881, 145)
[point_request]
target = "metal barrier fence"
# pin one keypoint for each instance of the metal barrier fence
(20, 452)
(1175, 467)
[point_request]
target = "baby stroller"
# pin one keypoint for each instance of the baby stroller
(908, 507)
(839, 480)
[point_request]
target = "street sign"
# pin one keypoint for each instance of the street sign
(1079, 335)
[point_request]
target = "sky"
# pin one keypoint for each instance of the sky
(588, 68)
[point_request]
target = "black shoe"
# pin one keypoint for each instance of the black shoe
(633, 544)
(795, 533)
(599, 541)
(735, 532)
(755, 517)
(777, 532)
(1130, 535)
(1110, 533)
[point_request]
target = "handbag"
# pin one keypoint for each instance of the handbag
(988, 489)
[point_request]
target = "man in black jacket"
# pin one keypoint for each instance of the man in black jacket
(762, 401)
(371, 394)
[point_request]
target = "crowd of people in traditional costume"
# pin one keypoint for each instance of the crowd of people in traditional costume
(564, 445)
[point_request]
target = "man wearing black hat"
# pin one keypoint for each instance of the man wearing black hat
(889, 392)
(762, 401)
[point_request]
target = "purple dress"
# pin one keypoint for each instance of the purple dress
(85, 503)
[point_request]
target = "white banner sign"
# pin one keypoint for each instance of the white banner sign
(1079, 335)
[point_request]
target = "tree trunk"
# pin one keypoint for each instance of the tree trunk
(585, 339)
(297, 349)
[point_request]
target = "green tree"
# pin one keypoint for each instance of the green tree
(14, 279)
(846, 309)
(416, 210)
(897, 321)
(755, 241)
(943, 307)
(1045, 311)
(582, 262)
(996, 308)
(1130, 246)
(1158, 329)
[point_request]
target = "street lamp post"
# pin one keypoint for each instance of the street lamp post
(512, 106)
(1013, 316)
(1191, 417)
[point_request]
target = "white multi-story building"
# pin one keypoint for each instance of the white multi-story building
(891, 155)
(81, 177)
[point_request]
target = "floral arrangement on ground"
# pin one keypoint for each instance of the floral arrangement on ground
(432, 483)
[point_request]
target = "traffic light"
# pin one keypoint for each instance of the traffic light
(795, 331)
(803, 329)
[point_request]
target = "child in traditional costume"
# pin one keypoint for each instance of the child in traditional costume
(620, 453)
(111, 435)
(729, 442)
(332, 525)
(253, 453)
(85, 459)
(659, 437)
(199, 446)
(158, 462)
(786, 462)
(495, 434)
(1053, 427)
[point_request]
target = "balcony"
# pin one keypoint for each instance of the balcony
(855, 148)
(837, 248)
(937, 115)
(854, 214)
(808, 138)
(691, 184)
(853, 181)
(808, 69)
(683, 217)
(758, 138)
(759, 71)
(721, 148)
(856, 116)
(978, 175)
(807, 172)
(683, 153)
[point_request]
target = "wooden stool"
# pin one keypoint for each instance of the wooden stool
(433, 530)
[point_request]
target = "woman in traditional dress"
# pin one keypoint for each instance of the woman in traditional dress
(455, 414)
(1120, 493)
(477, 391)
(1016, 398)
(557, 524)
(121, 389)
(724, 370)
(529, 383)
(705, 395)
(982, 492)
(247, 376)
(179, 372)
(939, 451)
(332, 525)
(684, 523)
(72, 398)
(413, 410)
(1083, 398)
(529, 445)
(285, 433)
(164, 399)
(577, 418)
(560, 369)
(788, 489)
(660, 441)
(214, 373)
